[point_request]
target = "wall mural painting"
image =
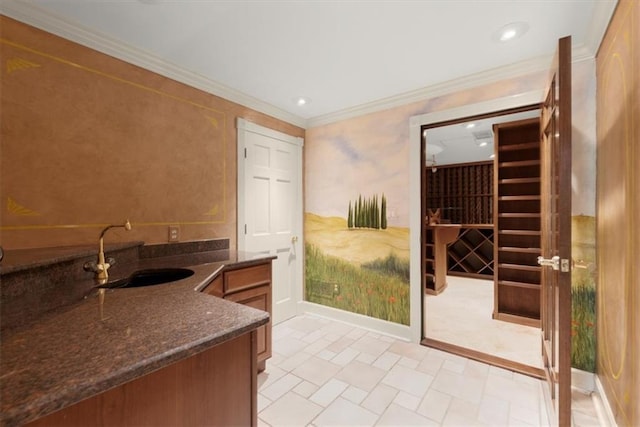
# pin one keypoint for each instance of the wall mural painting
(583, 293)
(356, 219)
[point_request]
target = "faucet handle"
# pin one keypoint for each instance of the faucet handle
(90, 266)
(111, 261)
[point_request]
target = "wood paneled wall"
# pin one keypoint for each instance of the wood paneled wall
(89, 140)
(618, 213)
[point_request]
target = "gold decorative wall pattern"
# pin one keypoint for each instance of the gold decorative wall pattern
(618, 251)
(17, 64)
(87, 140)
(15, 208)
(109, 145)
(213, 211)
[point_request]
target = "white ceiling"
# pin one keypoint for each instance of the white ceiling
(343, 55)
(460, 143)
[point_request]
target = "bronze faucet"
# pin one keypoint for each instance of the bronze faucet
(101, 267)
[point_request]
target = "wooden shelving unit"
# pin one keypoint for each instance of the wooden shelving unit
(464, 195)
(517, 220)
(429, 260)
(462, 192)
(471, 255)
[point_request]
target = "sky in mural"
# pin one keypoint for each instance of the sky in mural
(363, 156)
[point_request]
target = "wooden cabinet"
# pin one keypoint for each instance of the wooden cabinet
(517, 220)
(249, 286)
(218, 386)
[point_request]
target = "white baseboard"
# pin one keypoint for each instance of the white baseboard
(583, 380)
(384, 327)
(602, 405)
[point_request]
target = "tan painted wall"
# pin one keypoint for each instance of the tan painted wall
(89, 140)
(618, 213)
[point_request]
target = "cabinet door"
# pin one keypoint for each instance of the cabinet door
(259, 298)
(215, 287)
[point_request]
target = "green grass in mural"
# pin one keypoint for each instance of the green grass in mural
(391, 265)
(375, 292)
(583, 333)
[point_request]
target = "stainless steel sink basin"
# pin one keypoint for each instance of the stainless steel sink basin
(150, 277)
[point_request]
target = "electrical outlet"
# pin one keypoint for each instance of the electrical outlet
(174, 233)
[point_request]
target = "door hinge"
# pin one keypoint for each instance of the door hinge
(245, 229)
(245, 153)
(564, 265)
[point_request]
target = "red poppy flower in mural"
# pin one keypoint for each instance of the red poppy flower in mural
(339, 298)
(392, 299)
(369, 291)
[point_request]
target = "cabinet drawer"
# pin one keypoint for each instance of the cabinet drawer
(246, 278)
(259, 298)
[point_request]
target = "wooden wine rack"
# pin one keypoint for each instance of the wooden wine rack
(517, 219)
(464, 195)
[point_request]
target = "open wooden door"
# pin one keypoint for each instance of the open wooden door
(556, 234)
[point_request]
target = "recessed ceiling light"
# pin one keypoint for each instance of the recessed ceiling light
(511, 31)
(301, 100)
(492, 156)
(470, 125)
(483, 144)
(433, 148)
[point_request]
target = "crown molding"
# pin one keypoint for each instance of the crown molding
(37, 17)
(433, 91)
(602, 14)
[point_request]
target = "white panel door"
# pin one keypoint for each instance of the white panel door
(270, 208)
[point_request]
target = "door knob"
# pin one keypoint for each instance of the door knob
(553, 262)
(294, 239)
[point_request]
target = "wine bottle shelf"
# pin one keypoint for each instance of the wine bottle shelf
(472, 253)
(517, 220)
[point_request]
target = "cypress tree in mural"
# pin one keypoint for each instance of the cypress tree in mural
(368, 213)
(374, 210)
(383, 213)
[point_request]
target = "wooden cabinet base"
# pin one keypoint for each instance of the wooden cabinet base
(249, 286)
(215, 387)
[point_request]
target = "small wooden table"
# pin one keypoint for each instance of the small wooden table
(443, 234)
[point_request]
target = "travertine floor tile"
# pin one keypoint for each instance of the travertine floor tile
(290, 410)
(326, 373)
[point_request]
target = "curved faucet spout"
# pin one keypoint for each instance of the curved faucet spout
(126, 226)
(102, 266)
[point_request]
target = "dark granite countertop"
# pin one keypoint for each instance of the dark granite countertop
(84, 349)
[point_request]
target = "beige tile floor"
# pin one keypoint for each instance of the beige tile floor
(327, 373)
(461, 315)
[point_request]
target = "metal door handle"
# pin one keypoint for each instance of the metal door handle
(294, 239)
(553, 262)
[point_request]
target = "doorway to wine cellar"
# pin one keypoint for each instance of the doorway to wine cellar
(481, 237)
